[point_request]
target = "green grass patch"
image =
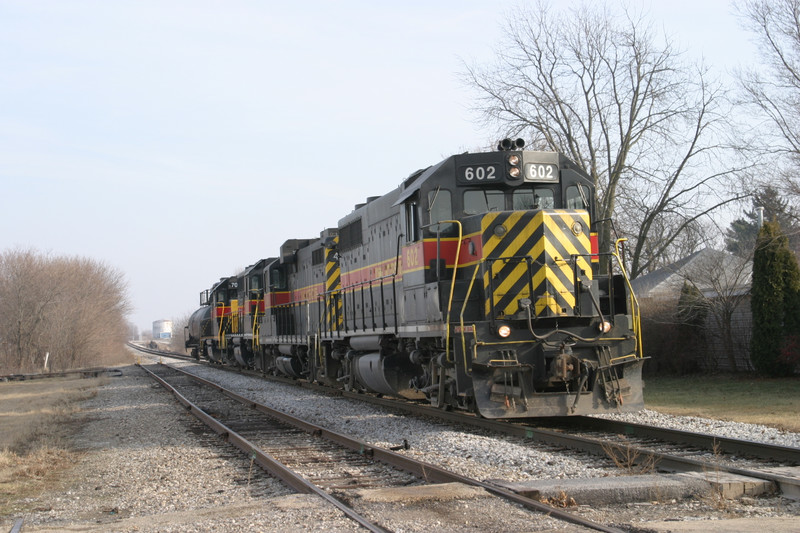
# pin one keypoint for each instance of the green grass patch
(772, 402)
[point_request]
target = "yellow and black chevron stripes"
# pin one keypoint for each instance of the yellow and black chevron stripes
(534, 254)
(333, 282)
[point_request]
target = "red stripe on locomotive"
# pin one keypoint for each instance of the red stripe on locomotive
(222, 311)
(276, 298)
(595, 247)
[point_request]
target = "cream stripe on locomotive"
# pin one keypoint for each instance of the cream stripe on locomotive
(333, 282)
(532, 254)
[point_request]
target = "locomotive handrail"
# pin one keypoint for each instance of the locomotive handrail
(468, 368)
(223, 340)
(637, 325)
(256, 327)
(343, 292)
(351, 289)
(452, 283)
(235, 317)
(576, 285)
(329, 319)
(528, 259)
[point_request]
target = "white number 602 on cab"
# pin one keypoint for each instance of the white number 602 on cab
(479, 173)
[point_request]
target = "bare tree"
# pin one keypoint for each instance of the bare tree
(724, 281)
(645, 125)
(696, 235)
(26, 294)
(773, 88)
(133, 331)
(70, 311)
(178, 341)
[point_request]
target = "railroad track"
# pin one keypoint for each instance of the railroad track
(92, 372)
(312, 459)
(688, 451)
(666, 450)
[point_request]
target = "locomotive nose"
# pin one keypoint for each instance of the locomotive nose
(534, 256)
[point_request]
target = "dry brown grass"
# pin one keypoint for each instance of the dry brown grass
(629, 460)
(35, 425)
(562, 500)
(714, 498)
(34, 465)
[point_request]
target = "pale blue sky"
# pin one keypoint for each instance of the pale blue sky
(180, 141)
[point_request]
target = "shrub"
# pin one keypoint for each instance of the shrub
(775, 302)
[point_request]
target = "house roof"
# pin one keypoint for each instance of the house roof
(712, 271)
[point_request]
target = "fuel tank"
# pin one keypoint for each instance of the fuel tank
(200, 326)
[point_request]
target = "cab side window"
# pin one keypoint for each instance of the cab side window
(278, 280)
(412, 221)
(440, 207)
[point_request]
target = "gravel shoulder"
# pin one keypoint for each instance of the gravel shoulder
(143, 464)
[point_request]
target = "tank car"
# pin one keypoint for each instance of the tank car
(476, 285)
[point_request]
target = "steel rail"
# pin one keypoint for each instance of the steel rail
(153, 351)
(426, 471)
(85, 372)
(594, 446)
(17, 526)
(701, 440)
(266, 461)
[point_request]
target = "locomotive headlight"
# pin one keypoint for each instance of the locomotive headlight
(605, 326)
(514, 172)
(513, 160)
(504, 331)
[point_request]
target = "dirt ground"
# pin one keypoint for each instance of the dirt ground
(34, 407)
(35, 426)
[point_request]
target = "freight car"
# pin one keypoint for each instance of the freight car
(476, 285)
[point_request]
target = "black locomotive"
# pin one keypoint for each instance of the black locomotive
(475, 285)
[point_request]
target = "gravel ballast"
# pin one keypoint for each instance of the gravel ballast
(147, 465)
(468, 451)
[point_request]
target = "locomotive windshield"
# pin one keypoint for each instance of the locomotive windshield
(483, 201)
(577, 197)
(534, 199)
(277, 280)
(487, 200)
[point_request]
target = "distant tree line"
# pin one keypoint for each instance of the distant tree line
(70, 311)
